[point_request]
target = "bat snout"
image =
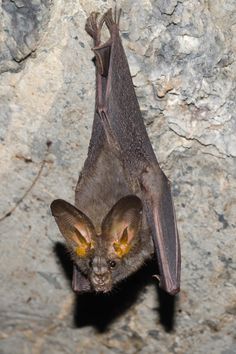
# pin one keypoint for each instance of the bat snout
(101, 281)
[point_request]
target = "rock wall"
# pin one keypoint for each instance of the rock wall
(182, 55)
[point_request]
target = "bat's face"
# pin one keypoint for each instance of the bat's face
(101, 273)
(99, 267)
(106, 258)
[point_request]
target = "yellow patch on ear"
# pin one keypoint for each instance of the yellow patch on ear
(83, 249)
(121, 248)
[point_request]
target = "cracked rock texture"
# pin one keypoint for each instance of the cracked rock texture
(182, 56)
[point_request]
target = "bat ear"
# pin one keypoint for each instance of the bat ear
(122, 224)
(75, 226)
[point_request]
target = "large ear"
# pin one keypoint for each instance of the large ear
(75, 226)
(122, 224)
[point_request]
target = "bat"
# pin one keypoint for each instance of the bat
(123, 213)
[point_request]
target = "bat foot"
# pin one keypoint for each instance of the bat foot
(110, 20)
(92, 27)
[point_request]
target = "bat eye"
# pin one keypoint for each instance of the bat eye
(90, 263)
(112, 264)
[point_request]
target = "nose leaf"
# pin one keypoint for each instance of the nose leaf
(101, 277)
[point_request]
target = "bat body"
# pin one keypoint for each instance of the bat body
(123, 211)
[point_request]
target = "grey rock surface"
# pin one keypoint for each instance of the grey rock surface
(22, 22)
(182, 56)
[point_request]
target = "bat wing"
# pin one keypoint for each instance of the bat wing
(80, 283)
(161, 217)
(123, 124)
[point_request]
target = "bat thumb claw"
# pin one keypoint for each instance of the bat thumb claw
(157, 277)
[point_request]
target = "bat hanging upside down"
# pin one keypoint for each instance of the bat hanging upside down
(123, 213)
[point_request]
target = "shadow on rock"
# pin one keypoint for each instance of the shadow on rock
(100, 310)
(167, 305)
(65, 260)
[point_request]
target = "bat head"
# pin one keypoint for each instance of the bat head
(108, 257)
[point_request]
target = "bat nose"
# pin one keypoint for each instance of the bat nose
(100, 267)
(101, 271)
(101, 276)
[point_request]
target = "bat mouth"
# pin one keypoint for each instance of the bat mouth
(101, 283)
(102, 289)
